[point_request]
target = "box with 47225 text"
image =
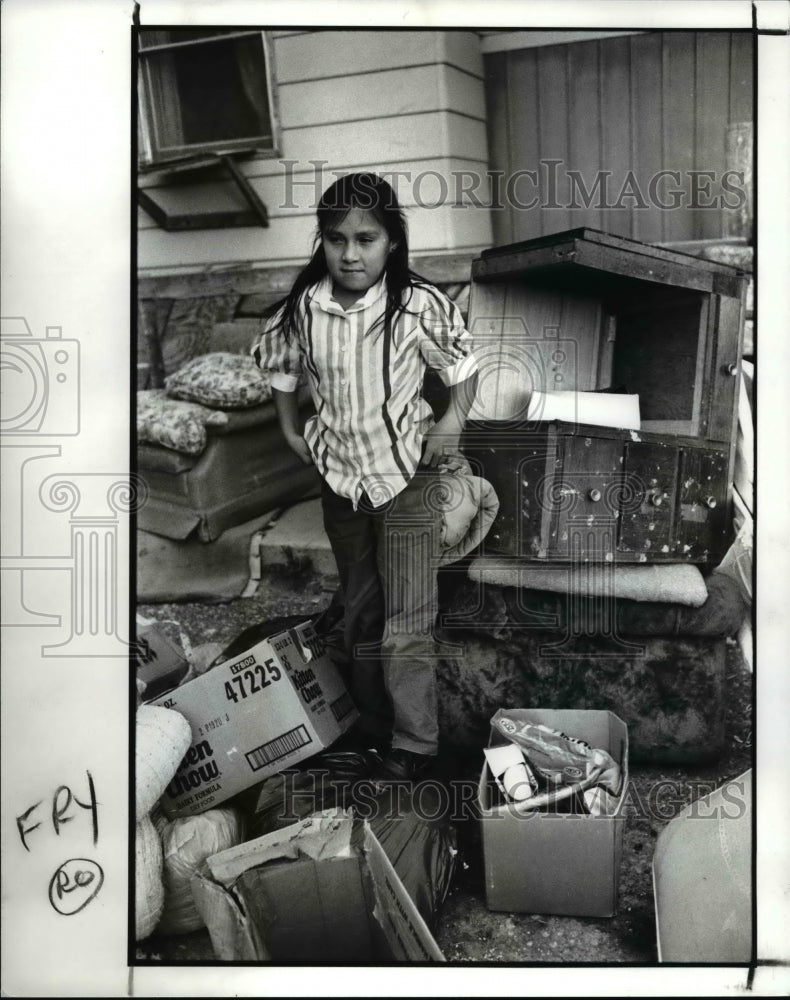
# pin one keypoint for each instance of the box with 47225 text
(254, 715)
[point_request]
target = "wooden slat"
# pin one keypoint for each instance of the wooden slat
(326, 54)
(585, 125)
(563, 244)
(361, 96)
(713, 97)
(614, 63)
(647, 125)
(408, 137)
(644, 267)
(737, 220)
(553, 124)
(667, 252)
(497, 129)
(598, 257)
(678, 128)
(740, 151)
(523, 148)
(723, 415)
(580, 326)
(741, 107)
(541, 313)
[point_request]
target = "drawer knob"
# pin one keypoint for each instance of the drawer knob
(657, 499)
(594, 495)
(710, 502)
(730, 369)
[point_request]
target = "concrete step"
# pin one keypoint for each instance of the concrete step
(295, 548)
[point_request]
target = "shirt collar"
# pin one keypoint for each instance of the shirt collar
(322, 296)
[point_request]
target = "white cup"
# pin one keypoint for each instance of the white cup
(509, 769)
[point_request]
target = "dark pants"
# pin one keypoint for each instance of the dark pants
(387, 561)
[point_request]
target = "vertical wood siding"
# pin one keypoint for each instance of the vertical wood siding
(642, 103)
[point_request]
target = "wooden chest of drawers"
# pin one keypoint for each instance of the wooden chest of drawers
(581, 493)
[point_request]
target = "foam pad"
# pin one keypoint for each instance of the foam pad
(679, 583)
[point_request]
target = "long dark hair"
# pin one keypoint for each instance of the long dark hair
(370, 193)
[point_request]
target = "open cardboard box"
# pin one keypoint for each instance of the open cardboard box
(160, 663)
(552, 861)
(311, 894)
(255, 715)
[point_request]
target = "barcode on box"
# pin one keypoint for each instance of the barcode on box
(342, 706)
(279, 747)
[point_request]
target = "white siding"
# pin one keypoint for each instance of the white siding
(322, 55)
(431, 231)
(380, 100)
(388, 93)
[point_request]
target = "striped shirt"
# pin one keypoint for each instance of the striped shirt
(371, 418)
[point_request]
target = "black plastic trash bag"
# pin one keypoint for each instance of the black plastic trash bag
(410, 821)
(412, 825)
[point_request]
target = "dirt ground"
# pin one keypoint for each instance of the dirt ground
(466, 930)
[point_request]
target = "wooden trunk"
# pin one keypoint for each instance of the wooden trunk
(574, 492)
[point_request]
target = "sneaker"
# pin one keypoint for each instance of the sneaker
(403, 765)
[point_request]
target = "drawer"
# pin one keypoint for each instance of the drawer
(647, 501)
(702, 506)
(602, 495)
(582, 499)
(517, 466)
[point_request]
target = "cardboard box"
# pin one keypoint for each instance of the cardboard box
(254, 715)
(555, 862)
(160, 663)
(305, 894)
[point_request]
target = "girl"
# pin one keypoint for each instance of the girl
(361, 327)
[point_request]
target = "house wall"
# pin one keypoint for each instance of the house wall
(679, 101)
(408, 101)
(415, 101)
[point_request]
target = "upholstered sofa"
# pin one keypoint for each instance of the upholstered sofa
(213, 466)
(245, 470)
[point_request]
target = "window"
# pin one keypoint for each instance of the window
(203, 91)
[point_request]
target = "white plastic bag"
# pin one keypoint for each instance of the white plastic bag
(186, 843)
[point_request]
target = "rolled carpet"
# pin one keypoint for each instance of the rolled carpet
(495, 611)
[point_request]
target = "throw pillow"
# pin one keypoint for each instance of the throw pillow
(228, 381)
(173, 423)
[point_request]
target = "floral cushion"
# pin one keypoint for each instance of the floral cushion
(228, 381)
(173, 423)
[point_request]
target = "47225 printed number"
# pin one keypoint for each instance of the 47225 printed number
(252, 681)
